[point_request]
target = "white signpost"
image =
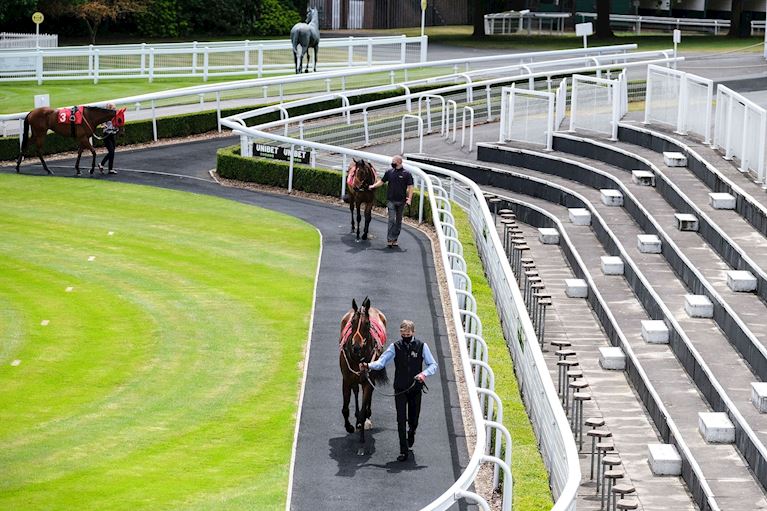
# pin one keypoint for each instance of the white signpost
(423, 17)
(584, 30)
(37, 18)
(677, 40)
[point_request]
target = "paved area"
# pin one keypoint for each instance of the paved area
(333, 470)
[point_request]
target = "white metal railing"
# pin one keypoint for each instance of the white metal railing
(662, 22)
(682, 100)
(511, 22)
(553, 434)
(527, 116)
(202, 60)
(327, 81)
(561, 104)
(757, 27)
(598, 104)
(18, 40)
(740, 129)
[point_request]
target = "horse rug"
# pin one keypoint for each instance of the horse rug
(377, 331)
(72, 115)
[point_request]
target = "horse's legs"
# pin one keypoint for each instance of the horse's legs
(356, 389)
(368, 217)
(19, 160)
(295, 61)
(347, 392)
(367, 399)
(93, 155)
(351, 210)
(306, 52)
(359, 219)
(315, 58)
(39, 149)
(77, 163)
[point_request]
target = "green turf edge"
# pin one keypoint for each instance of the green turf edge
(531, 479)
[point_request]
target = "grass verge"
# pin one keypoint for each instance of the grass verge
(162, 374)
(531, 480)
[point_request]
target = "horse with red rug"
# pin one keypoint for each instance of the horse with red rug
(363, 336)
(361, 176)
(77, 122)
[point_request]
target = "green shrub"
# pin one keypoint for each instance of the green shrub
(231, 165)
(274, 18)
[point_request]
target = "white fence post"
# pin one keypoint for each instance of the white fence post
(246, 57)
(424, 47)
(154, 122)
(260, 60)
(370, 51)
(403, 50)
(96, 66)
(39, 67)
(290, 170)
(151, 65)
(194, 57)
(143, 59)
(205, 64)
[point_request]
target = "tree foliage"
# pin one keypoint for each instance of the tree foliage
(95, 12)
(12, 10)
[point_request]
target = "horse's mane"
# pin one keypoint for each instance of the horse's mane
(100, 109)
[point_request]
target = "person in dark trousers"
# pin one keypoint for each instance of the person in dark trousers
(110, 131)
(409, 355)
(398, 194)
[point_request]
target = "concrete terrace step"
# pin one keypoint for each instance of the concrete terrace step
(674, 401)
(612, 396)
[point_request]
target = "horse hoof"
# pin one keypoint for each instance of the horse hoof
(368, 424)
(359, 426)
(364, 236)
(349, 428)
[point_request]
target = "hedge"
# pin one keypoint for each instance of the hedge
(230, 165)
(182, 125)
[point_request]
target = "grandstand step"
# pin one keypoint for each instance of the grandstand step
(716, 427)
(721, 200)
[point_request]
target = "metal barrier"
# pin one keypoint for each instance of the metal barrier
(17, 40)
(561, 104)
(679, 99)
(740, 129)
(375, 78)
(527, 116)
(512, 22)
(662, 22)
(201, 59)
(598, 104)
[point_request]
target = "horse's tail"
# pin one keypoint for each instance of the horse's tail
(25, 135)
(379, 376)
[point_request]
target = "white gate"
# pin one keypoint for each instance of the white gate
(740, 131)
(598, 104)
(527, 116)
(679, 99)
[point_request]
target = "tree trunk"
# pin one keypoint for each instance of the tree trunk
(735, 11)
(480, 7)
(603, 29)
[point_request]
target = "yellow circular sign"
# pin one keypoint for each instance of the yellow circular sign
(423, 5)
(38, 18)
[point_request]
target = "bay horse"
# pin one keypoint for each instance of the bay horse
(42, 119)
(364, 175)
(363, 334)
(304, 36)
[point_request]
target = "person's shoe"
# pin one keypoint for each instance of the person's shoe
(402, 457)
(113, 172)
(101, 169)
(410, 438)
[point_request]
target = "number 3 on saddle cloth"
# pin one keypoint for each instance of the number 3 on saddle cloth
(377, 330)
(72, 116)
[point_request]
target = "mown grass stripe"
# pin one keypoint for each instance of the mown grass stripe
(168, 379)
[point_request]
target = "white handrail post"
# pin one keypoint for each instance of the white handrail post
(489, 104)
(403, 50)
(681, 118)
(761, 150)
(90, 61)
(218, 110)
(744, 162)
(290, 170)
(647, 96)
(365, 126)
(350, 52)
(205, 64)
(343, 176)
(573, 104)
(709, 107)
(424, 47)
(550, 125)
(96, 66)
(143, 59)
(194, 57)
(154, 122)
(729, 124)
(39, 67)
(151, 65)
(260, 60)
(246, 57)
(616, 89)
(370, 51)
(421, 198)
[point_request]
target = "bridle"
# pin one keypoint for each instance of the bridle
(365, 173)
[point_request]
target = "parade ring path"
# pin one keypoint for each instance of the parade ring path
(331, 469)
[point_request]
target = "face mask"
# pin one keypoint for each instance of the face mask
(408, 338)
(394, 165)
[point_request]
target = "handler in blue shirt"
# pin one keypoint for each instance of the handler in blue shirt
(409, 355)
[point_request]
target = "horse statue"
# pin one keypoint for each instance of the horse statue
(79, 123)
(363, 335)
(361, 175)
(304, 36)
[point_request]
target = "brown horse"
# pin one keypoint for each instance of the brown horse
(359, 329)
(42, 119)
(364, 177)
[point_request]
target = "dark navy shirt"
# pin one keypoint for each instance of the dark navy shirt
(398, 180)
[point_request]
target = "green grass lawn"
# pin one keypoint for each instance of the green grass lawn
(531, 481)
(168, 376)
